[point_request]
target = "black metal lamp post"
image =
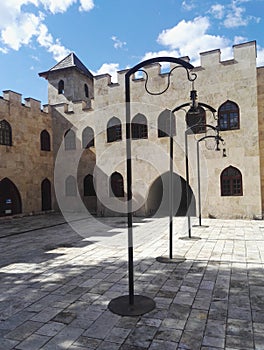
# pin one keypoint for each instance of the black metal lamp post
(134, 305)
(217, 138)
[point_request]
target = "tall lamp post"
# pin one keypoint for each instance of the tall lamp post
(217, 138)
(131, 304)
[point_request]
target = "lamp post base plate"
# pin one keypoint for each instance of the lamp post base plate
(202, 226)
(167, 260)
(193, 238)
(141, 306)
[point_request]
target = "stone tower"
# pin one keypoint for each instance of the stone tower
(69, 81)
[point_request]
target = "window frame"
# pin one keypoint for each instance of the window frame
(45, 141)
(228, 115)
(233, 181)
(139, 126)
(5, 133)
(87, 137)
(192, 120)
(114, 130)
(70, 140)
(117, 185)
(61, 87)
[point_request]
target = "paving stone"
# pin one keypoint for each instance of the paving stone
(23, 331)
(50, 329)
(33, 342)
(141, 336)
(8, 344)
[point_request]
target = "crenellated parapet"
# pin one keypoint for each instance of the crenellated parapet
(15, 99)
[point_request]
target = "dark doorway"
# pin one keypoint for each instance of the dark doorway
(46, 195)
(10, 200)
(158, 198)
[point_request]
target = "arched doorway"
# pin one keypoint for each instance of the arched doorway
(10, 200)
(46, 194)
(158, 197)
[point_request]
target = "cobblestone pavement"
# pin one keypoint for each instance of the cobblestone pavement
(58, 279)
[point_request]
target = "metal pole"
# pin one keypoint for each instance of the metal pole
(129, 195)
(199, 183)
(171, 190)
(187, 182)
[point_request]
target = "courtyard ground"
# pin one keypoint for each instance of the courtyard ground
(57, 280)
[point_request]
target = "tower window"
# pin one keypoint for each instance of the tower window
(61, 87)
(86, 90)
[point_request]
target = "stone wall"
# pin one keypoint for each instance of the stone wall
(24, 163)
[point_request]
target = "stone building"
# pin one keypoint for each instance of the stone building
(26, 151)
(88, 138)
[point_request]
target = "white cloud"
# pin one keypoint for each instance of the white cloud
(235, 17)
(118, 44)
(218, 11)
(188, 5)
(110, 68)
(18, 27)
(86, 5)
(46, 40)
(190, 38)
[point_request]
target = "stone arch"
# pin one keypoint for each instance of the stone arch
(157, 203)
(10, 199)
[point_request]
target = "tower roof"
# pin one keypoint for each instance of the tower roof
(70, 61)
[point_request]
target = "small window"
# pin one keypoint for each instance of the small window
(116, 185)
(231, 182)
(5, 133)
(114, 130)
(86, 90)
(69, 140)
(164, 124)
(61, 87)
(88, 137)
(139, 127)
(228, 115)
(88, 186)
(70, 186)
(196, 120)
(44, 141)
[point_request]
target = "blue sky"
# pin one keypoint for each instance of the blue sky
(110, 35)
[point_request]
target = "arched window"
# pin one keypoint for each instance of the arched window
(5, 133)
(88, 186)
(196, 119)
(10, 200)
(116, 185)
(228, 115)
(139, 127)
(231, 182)
(88, 137)
(46, 194)
(86, 90)
(70, 186)
(114, 130)
(44, 141)
(69, 140)
(61, 87)
(164, 124)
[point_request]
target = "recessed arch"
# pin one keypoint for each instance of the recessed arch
(116, 185)
(88, 137)
(139, 127)
(44, 140)
(46, 195)
(157, 203)
(61, 87)
(10, 199)
(70, 186)
(5, 133)
(69, 140)
(114, 130)
(164, 124)
(88, 186)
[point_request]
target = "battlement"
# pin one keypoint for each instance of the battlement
(242, 53)
(16, 98)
